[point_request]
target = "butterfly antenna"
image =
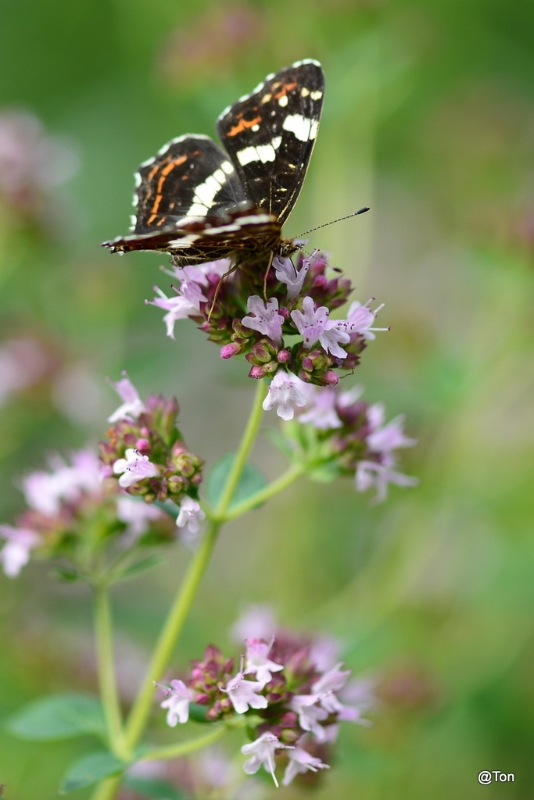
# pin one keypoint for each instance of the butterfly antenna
(326, 224)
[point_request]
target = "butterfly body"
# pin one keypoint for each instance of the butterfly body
(200, 203)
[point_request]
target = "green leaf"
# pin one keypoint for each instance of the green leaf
(159, 790)
(60, 716)
(198, 713)
(91, 769)
(140, 566)
(251, 481)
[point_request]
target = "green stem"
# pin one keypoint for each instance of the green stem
(184, 599)
(243, 453)
(278, 485)
(106, 670)
(183, 748)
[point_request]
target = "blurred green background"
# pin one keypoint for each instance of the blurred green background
(429, 119)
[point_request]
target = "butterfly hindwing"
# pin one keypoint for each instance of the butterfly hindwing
(190, 177)
(270, 135)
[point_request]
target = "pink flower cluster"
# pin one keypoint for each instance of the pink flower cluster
(289, 689)
(145, 453)
(65, 504)
(88, 498)
(286, 330)
(345, 433)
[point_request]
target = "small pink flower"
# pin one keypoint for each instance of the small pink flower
(189, 519)
(177, 702)
(301, 761)
(137, 515)
(135, 467)
(16, 551)
(262, 751)
(132, 406)
(266, 318)
(310, 713)
(257, 661)
(360, 318)
(315, 326)
(369, 474)
(331, 681)
(287, 273)
(243, 694)
(321, 411)
(258, 621)
(178, 307)
(284, 392)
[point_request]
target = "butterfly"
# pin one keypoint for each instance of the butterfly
(201, 203)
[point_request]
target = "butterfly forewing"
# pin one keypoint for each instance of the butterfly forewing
(270, 135)
(190, 177)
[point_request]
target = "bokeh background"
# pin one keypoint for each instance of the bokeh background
(429, 119)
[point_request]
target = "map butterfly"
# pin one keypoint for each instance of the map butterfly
(200, 203)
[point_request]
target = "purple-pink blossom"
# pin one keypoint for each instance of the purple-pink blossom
(15, 553)
(321, 408)
(177, 307)
(132, 406)
(300, 761)
(287, 273)
(371, 474)
(314, 325)
(177, 702)
(135, 467)
(258, 662)
(137, 515)
(244, 694)
(310, 713)
(189, 519)
(262, 752)
(284, 392)
(265, 319)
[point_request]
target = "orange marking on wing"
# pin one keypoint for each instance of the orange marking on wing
(287, 87)
(164, 172)
(242, 125)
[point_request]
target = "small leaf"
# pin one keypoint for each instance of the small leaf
(140, 566)
(159, 790)
(197, 713)
(60, 716)
(251, 481)
(91, 769)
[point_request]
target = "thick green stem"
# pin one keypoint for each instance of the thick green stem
(186, 595)
(278, 485)
(169, 635)
(243, 453)
(106, 671)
